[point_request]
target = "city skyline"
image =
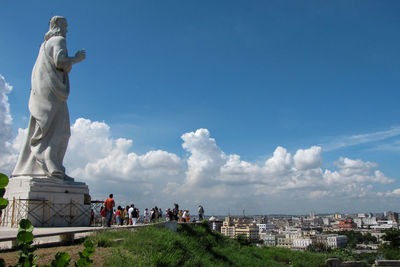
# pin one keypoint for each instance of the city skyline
(266, 106)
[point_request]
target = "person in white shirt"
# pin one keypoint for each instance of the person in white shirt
(184, 215)
(130, 214)
(146, 215)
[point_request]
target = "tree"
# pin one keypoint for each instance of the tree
(391, 248)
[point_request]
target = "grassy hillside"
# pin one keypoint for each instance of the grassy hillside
(194, 245)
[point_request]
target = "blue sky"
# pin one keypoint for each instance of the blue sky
(256, 75)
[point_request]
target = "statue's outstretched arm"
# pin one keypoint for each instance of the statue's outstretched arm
(60, 55)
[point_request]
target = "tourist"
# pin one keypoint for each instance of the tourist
(187, 216)
(122, 216)
(118, 215)
(171, 214)
(146, 215)
(155, 214)
(180, 213)
(175, 211)
(183, 216)
(200, 211)
(134, 215)
(126, 215)
(160, 214)
(152, 215)
(130, 210)
(103, 215)
(167, 217)
(109, 204)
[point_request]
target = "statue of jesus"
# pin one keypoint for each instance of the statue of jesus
(49, 126)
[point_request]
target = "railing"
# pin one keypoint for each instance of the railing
(42, 211)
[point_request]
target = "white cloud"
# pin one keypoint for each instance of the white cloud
(358, 139)
(308, 158)
(207, 174)
(206, 158)
(93, 152)
(7, 153)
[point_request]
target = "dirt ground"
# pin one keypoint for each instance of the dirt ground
(46, 255)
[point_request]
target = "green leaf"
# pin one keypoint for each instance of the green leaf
(87, 252)
(88, 244)
(3, 202)
(3, 180)
(2, 192)
(82, 262)
(26, 225)
(25, 237)
(62, 260)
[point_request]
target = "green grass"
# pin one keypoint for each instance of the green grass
(194, 245)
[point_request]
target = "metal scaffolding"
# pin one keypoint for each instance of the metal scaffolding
(43, 211)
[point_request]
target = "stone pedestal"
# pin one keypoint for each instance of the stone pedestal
(47, 202)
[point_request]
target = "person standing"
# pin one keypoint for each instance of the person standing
(175, 211)
(146, 215)
(160, 214)
(130, 210)
(126, 215)
(118, 216)
(109, 204)
(103, 215)
(200, 211)
(134, 215)
(183, 217)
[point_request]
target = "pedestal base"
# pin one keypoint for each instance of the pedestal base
(46, 202)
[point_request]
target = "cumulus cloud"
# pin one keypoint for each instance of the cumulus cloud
(206, 158)
(108, 165)
(206, 174)
(299, 176)
(7, 153)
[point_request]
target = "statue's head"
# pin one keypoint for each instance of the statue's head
(58, 27)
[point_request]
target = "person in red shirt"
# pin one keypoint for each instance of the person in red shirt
(109, 204)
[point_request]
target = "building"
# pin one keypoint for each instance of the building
(228, 229)
(215, 224)
(347, 224)
(248, 231)
(337, 241)
(284, 242)
(359, 222)
(234, 230)
(392, 216)
(301, 243)
(270, 239)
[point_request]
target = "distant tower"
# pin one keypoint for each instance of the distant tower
(312, 214)
(244, 214)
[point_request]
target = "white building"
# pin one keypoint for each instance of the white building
(359, 222)
(326, 220)
(301, 243)
(337, 241)
(270, 239)
(369, 221)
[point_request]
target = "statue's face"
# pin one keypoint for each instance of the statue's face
(63, 28)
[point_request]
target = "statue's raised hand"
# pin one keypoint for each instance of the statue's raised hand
(80, 55)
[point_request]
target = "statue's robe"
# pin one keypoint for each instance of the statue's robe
(49, 126)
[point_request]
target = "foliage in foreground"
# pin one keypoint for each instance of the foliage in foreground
(26, 256)
(391, 248)
(3, 201)
(194, 245)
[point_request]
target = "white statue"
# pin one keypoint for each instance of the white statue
(49, 126)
